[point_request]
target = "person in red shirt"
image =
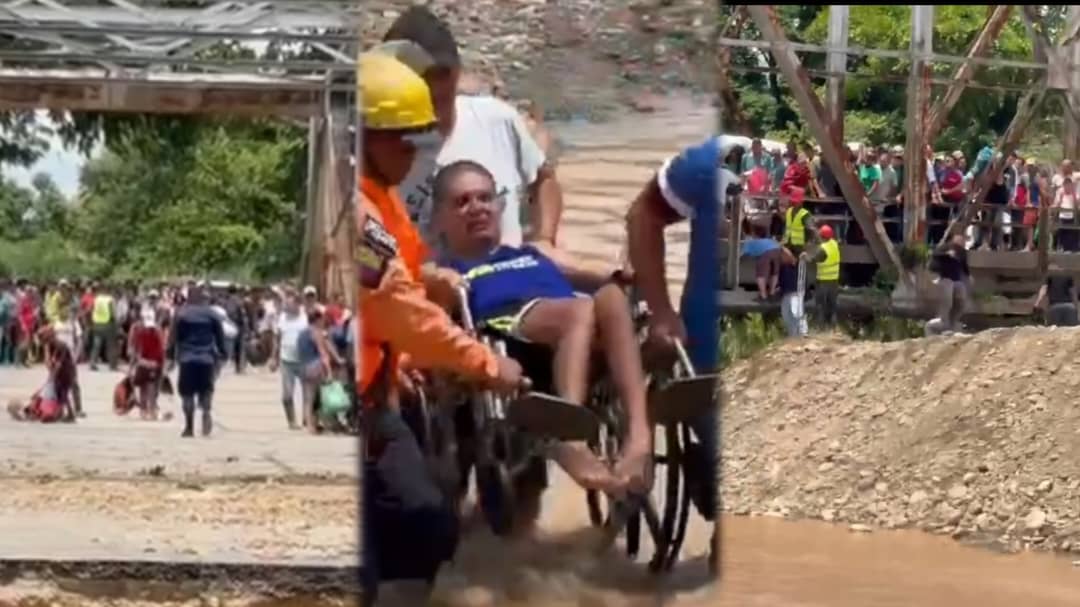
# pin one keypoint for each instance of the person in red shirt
(335, 312)
(26, 306)
(797, 174)
(147, 347)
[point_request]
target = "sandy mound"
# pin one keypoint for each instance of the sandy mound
(973, 436)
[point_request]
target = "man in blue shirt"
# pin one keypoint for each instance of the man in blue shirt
(197, 342)
(689, 186)
(526, 294)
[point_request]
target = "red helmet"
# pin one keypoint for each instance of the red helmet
(798, 195)
(826, 232)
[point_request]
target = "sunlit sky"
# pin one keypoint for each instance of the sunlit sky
(61, 164)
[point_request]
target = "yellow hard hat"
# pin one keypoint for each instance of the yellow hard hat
(392, 96)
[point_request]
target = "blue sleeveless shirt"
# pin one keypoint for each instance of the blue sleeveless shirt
(508, 279)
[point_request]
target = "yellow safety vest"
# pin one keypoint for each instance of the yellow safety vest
(102, 310)
(794, 229)
(829, 270)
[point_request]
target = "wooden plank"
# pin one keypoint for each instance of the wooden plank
(922, 40)
(861, 304)
(836, 64)
(990, 32)
(814, 114)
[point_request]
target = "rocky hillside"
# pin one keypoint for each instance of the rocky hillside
(977, 437)
(576, 57)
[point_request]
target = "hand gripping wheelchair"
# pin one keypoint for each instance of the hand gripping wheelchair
(508, 440)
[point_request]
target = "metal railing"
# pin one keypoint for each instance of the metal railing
(990, 216)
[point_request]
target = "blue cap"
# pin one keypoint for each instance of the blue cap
(689, 179)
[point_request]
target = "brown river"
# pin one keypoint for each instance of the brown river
(764, 561)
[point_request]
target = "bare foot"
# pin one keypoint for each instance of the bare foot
(586, 469)
(635, 466)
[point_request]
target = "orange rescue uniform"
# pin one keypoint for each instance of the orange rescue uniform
(397, 318)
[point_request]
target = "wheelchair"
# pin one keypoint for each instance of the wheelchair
(508, 440)
(676, 394)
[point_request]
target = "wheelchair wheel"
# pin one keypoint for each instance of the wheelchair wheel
(602, 512)
(495, 490)
(677, 505)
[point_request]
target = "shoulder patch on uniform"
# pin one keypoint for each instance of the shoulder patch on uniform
(377, 248)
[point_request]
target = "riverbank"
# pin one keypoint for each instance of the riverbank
(575, 58)
(972, 437)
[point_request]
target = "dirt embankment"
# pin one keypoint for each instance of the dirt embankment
(977, 437)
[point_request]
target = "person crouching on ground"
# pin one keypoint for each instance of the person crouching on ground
(147, 346)
(537, 298)
(766, 255)
(61, 365)
(791, 299)
(198, 341)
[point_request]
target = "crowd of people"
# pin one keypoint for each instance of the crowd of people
(146, 329)
(791, 199)
(1008, 221)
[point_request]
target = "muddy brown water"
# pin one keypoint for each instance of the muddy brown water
(776, 563)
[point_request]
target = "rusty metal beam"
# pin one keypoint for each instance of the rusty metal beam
(813, 113)
(1045, 50)
(922, 46)
(1072, 117)
(990, 32)
(76, 90)
(1006, 145)
(836, 63)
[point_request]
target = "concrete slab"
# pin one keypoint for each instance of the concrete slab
(250, 437)
(112, 488)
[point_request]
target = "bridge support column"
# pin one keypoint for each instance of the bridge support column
(922, 39)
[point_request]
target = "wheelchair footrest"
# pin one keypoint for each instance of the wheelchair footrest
(550, 417)
(682, 399)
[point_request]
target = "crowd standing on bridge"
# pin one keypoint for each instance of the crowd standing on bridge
(789, 196)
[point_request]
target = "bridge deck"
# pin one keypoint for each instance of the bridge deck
(120, 489)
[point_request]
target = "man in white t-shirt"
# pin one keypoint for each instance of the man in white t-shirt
(483, 129)
(291, 322)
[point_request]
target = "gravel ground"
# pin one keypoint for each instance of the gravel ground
(577, 58)
(975, 437)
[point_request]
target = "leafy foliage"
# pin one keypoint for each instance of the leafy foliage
(167, 196)
(216, 198)
(876, 90)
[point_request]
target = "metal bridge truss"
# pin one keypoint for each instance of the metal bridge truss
(1056, 66)
(185, 56)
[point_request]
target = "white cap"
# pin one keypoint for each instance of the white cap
(310, 290)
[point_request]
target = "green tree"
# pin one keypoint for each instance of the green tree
(221, 197)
